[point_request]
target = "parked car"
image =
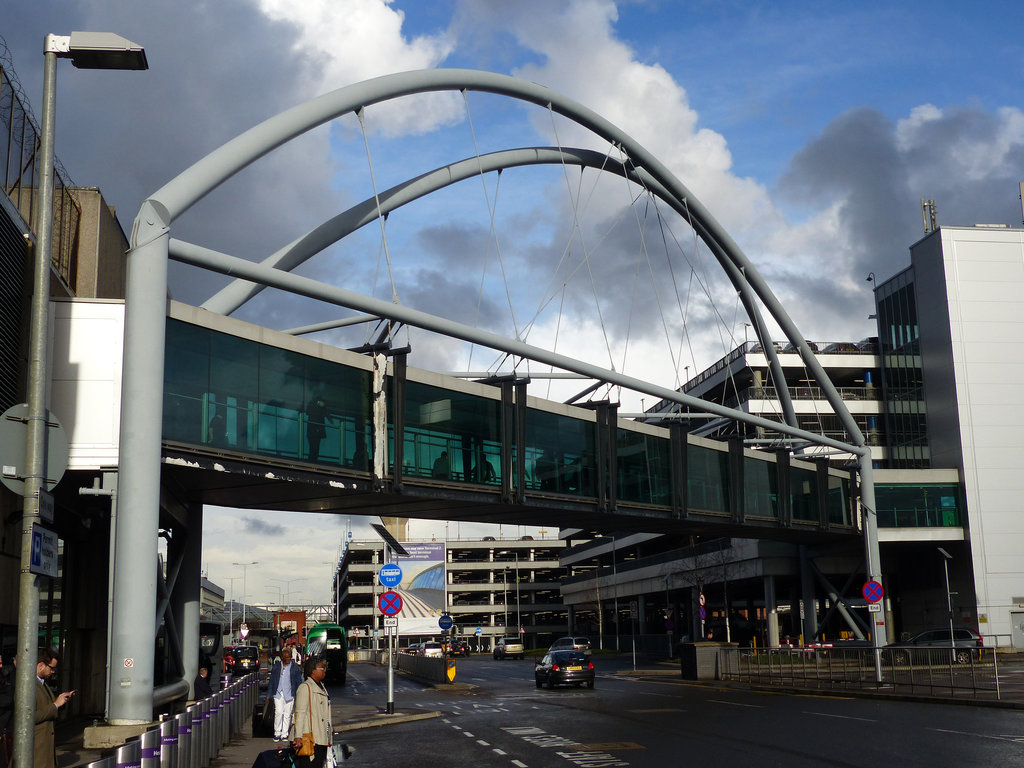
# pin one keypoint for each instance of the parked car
(966, 645)
(571, 644)
(459, 648)
(245, 658)
(564, 668)
(414, 648)
(509, 647)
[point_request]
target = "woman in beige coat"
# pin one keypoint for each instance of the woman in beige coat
(312, 714)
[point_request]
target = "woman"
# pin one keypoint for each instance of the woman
(312, 714)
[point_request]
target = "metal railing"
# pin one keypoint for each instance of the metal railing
(19, 172)
(193, 738)
(961, 672)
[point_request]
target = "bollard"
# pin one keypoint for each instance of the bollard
(169, 743)
(128, 755)
(199, 734)
(106, 762)
(184, 723)
(233, 708)
(149, 748)
(222, 718)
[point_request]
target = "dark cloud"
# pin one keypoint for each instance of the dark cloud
(262, 528)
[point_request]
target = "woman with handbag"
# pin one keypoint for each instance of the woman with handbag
(311, 732)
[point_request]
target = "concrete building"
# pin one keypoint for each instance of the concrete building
(496, 585)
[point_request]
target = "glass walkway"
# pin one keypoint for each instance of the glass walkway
(237, 390)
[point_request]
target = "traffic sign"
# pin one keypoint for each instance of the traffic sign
(703, 613)
(43, 560)
(872, 591)
(479, 631)
(13, 438)
(390, 603)
(390, 575)
(701, 600)
(445, 622)
(390, 621)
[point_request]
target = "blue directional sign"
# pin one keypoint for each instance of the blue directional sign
(445, 622)
(390, 575)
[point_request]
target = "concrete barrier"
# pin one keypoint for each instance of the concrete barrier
(430, 668)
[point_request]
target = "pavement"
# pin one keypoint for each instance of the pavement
(243, 749)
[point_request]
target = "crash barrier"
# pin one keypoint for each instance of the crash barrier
(947, 672)
(434, 669)
(193, 738)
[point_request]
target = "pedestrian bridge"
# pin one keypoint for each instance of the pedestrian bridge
(258, 419)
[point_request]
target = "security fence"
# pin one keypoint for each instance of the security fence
(947, 672)
(193, 738)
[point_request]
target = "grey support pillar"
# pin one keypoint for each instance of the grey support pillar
(809, 624)
(132, 645)
(771, 611)
(185, 598)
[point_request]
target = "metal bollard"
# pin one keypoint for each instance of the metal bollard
(128, 755)
(150, 748)
(106, 762)
(234, 699)
(169, 743)
(184, 722)
(199, 734)
(220, 715)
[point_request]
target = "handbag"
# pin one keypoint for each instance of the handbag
(308, 742)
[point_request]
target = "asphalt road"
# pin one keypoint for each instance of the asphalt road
(627, 720)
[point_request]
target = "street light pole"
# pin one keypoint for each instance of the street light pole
(946, 557)
(84, 52)
(244, 593)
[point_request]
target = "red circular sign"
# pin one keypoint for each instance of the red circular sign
(872, 591)
(390, 603)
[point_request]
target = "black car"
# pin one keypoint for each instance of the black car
(928, 646)
(460, 647)
(246, 659)
(564, 668)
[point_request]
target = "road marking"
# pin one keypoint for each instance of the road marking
(842, 717)
(996, 737)
(499, 751)
(736, 704)
(467, 733)
(655, 711)
(483, 743)
(520, 763)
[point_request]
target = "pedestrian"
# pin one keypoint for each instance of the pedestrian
(312, 715)
(285, 679)
(441, 469)
(316, 426)
(201, 688)
(47, 706)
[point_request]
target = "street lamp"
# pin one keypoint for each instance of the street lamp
(288, 589)
(946, 557)
(87, 50)
(244, 593)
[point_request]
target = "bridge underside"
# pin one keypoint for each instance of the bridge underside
(237, 481)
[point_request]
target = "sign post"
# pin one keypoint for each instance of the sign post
(390, 604)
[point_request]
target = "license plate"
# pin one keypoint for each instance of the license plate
(575, 669)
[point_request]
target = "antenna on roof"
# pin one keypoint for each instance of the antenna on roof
(1022, 201)
(928, 214)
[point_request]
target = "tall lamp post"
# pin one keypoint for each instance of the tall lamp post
(946, 557)
(244, 593)
(87, 50)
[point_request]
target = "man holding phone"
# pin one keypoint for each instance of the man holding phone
(47, 706)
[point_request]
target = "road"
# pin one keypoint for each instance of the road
(647, 721)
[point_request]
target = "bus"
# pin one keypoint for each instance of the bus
(328, 642)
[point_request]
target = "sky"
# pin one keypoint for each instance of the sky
(811, 131)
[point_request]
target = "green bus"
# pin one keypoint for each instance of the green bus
(328, 642)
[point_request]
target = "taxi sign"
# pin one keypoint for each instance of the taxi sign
(390, 575)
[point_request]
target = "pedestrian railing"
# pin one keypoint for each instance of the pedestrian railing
(193, 738)
(959, 672)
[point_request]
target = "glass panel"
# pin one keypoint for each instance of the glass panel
(234, 373)
(706, 472)
(644, 468)
(559, 453)
(760, 488)
(336, 416)
(804, 494)
(280, 422)
(840, 506)
(451, 435)
(919, 505)
(186, 381)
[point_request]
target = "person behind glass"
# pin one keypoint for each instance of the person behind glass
(285, 679)
(47, 706)
(316, 427)
(312, 714)
(441, 469)
(201, 688)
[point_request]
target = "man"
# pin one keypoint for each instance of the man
(47, 706)
(201, 688)
(285, 679)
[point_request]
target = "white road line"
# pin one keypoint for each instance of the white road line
(519, 763)
(483, 743)
(467, 733)
(842, 717)
(499, 751)
(1015, 739)
(735, 704)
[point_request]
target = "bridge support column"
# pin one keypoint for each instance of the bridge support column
(771, 612)
(185, 597)
(809, 626)
(132, 642)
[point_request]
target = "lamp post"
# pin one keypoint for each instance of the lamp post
(87, 50)
(288, 590)
(244, 593)
(946, 557)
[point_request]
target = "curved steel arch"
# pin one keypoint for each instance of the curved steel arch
(131, 701)
(239, 291)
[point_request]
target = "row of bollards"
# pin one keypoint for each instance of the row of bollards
(190, 739)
